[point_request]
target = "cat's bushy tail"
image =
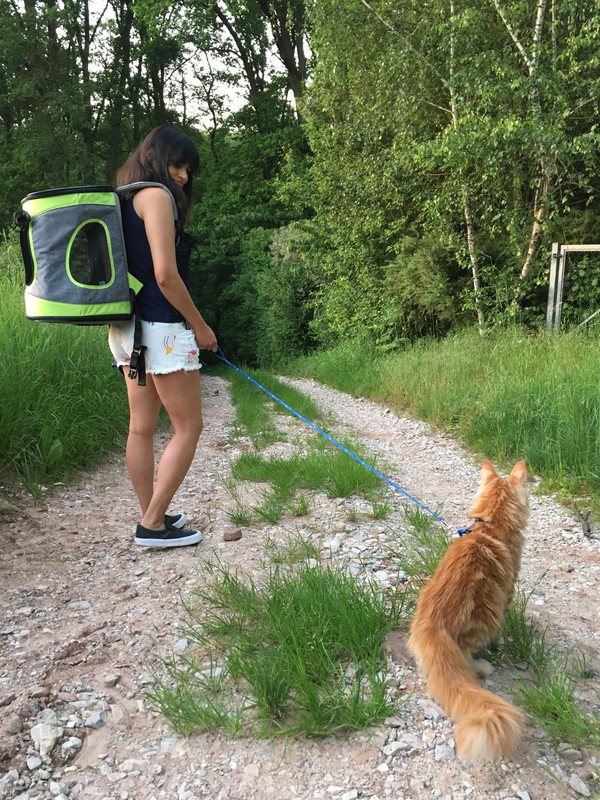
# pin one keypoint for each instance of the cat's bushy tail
(487, 726)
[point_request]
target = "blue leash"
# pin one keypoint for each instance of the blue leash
(221, 355)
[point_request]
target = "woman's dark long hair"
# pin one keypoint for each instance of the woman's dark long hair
(150, 161)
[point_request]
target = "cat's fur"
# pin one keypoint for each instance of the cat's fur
(463, 606)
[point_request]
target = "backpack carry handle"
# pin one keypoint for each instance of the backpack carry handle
(22, 219)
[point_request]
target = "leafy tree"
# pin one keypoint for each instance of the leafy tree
(472, 123)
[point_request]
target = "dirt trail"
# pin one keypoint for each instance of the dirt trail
(84, 615)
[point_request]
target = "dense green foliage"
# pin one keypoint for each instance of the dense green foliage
(412, 186)
(62, 407)
(452, 142)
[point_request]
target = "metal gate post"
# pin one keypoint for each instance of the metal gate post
(560, 282)
(552, 298)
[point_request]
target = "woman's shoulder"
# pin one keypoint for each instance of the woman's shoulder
(153, 200)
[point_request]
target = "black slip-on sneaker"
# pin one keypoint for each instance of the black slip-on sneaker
(175, 520)
(169, 537)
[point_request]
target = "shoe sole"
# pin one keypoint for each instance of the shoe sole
(192, 538)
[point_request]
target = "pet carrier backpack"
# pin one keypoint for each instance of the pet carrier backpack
(74, 254)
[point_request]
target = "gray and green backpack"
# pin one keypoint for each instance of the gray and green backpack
(75, 261)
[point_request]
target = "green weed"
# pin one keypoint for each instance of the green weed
(303, 653)
(550, 699)
(272, 507)
(524, 639)
(294, 551)
(300, 505)
(382, 508)
(241, 516)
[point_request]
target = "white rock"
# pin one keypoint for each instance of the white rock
(47, 717)
(392, 748)
(79, 604)
(443, 752)
(579, 786)
(430, 710)
(71, 745)
(45, 737)
(410, 741)
(58, 789)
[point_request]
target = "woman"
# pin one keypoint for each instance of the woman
(173, 331)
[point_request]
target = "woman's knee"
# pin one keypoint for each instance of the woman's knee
(143, 421)
(144, 408)
(191, 427)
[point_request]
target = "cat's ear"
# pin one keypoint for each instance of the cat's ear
(488, 471)
(519, 473)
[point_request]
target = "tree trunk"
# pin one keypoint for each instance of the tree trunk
(121, 66)
(471, 246)
(288, 35)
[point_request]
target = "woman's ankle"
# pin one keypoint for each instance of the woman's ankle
(153, 523)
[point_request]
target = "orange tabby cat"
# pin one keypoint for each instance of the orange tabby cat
(462, 607)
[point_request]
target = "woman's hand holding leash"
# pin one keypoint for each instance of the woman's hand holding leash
(205, 338)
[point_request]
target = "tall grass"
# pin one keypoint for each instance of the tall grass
(61, 404)
(510, 394)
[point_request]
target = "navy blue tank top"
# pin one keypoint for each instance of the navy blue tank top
(153, 305)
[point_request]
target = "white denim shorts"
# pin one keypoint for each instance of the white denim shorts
(170, 346)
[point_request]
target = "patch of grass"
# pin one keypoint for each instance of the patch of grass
(352, 367)
(197, 700)
(294, 551)
(523, 639)
(253, 414)
(272, 507)
(255, 408)
(382, 508)
(300, 505)
(241, 516)
(302, 654)
(334, 472)
(550, 699)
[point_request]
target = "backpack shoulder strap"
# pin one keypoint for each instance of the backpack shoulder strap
(137, 365)
(146, 184)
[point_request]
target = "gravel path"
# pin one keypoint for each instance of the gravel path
(84, 616)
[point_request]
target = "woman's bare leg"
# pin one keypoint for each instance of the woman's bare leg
(181, 394)
(144, 405)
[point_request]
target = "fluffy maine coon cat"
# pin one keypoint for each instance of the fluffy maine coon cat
(462, 607)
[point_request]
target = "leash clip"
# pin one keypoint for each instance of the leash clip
(464, 531)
